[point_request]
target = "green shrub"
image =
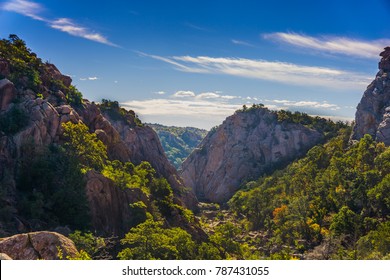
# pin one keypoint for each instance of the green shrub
(13, 121)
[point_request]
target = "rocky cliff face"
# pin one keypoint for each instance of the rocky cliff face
(33, 113)
(373, 112)
(245, 146)
(143, 144)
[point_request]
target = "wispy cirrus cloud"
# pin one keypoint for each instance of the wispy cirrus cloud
(69, 26)
(27, 8)
(290, 104)
(276, 71)
(196, 27)
(34, 10)
(242, 43)
(332, 44)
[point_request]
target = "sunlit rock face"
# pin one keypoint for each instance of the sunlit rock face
(244, 147)
(373, 112)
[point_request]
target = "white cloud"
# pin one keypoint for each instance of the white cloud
(89, 79)
(286, 104)
(34, 10)
(202, 95)
(208, 112)
(208, 95)
(242, 43)
(332, 44)
(184, 93)
(229, 97)
(67, 25)
(281, 72)
(194, 112)
(160, 92)
(27, 8)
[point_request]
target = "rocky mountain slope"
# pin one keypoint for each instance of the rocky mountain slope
(36, 100)
(373, 112)
(244, 147)
(178, 142)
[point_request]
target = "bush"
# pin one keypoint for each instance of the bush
(51, 187)
(13, 121)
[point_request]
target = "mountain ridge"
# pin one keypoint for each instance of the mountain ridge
(247, 145)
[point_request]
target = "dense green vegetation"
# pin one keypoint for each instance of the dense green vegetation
(327, 127)
(178, 142)
(117, 113)
(51, 188)
(27, 71)
(332, 204)
(13, 120)
(25, 66)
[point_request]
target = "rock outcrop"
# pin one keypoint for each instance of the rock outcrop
(245, 146)
(143, 144)
(109, 205)
(38, 245)
(373, 112)
(7, 93)
(32, 111)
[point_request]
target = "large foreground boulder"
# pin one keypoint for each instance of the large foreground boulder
(38, 245)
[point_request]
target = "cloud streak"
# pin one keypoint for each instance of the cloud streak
(242, 43)
(288, 104)
(89, 79)
(34, 11)
(27, 8)
(206, 110)
(332, 44)
(275, 71)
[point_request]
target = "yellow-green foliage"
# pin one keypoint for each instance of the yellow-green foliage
(150, 241)
(336, 192)
(89, 245)
(25, 67)
(90, 151)
(126, 175)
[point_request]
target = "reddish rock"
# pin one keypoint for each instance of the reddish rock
(53, 73)
(242, 148)
(143, 144)
(7, 93)
(38, 245)
(109, 205)
(373, 112)
(4, 68)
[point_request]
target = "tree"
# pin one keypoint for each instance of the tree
(224, 237)
(85, 146)
(376, 244)
(150, 241)
(345, 222)
(163, 195)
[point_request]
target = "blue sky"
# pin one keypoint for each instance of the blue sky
(193, 63)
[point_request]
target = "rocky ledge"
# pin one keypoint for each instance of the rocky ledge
(373, 112)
